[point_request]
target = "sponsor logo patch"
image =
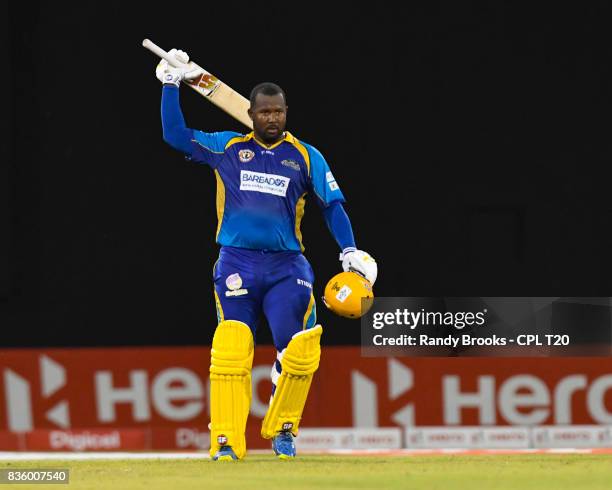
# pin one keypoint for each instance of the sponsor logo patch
(222, 439)
(287, 426)
(291, 164)
(237, 292)
(266, 183)
(233, 282)
(344, 293)
(246, 156)
(331, 181)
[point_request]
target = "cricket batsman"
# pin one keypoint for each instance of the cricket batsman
(263, 179)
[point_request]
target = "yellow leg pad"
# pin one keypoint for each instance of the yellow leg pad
(230, 385)
(299, 363)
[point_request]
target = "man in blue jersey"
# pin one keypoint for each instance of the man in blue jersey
(263, 179)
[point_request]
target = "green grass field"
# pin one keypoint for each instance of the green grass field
(522, 472)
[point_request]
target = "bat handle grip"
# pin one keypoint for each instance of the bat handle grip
(155, 49)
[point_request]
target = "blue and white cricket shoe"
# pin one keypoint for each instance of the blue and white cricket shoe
(283, 445)
(225, 453)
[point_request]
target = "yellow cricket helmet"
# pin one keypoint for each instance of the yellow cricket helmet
(344, 292)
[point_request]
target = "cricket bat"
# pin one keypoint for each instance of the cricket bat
(211, 88)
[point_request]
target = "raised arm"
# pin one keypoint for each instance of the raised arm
(176, 132)
(199, 147)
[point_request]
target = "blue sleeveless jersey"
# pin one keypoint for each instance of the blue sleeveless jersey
(261, 189)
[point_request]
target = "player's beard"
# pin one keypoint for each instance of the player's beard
(270, 138)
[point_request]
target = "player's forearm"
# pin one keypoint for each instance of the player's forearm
(339, 224)
(176, 132)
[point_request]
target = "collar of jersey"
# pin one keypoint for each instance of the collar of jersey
(289, 138)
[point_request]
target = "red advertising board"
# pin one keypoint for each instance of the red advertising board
(157, 397)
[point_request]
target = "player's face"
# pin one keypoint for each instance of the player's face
(269, 116)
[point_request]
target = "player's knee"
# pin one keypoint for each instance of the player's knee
(232, 348)
(301, 358)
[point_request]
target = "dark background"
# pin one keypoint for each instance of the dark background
(472, 141)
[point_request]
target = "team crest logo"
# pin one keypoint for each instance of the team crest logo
(246, 156)
(234, 286)
(233, 282)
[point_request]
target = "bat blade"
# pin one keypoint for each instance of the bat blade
(211, 88)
